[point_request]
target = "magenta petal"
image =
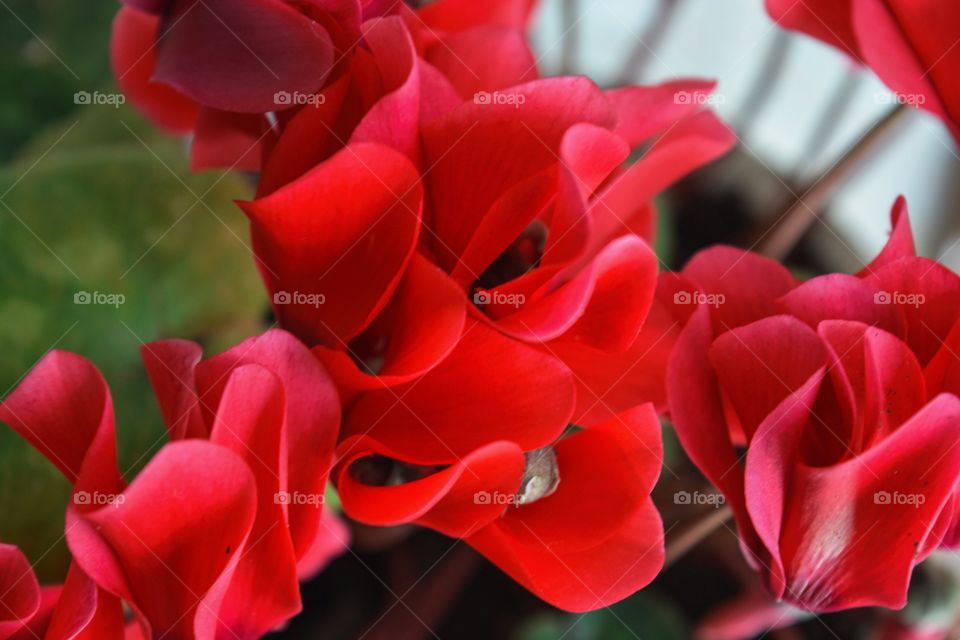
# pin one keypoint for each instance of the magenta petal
(837, 296)
(167, 542)
(882, 504)
(19, 591)
(237, 55)
(899, 245)
(65, 389)
(748, 283)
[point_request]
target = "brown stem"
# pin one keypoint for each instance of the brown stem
(680, 544)
(427, 603)
(571, 35)
(648, 43)
(780, 238)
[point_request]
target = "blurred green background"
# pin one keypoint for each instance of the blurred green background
(92, 199)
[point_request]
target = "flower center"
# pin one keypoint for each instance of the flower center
(521, 256)
(541, 476)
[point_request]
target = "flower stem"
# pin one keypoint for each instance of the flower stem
(780, 238)
(680, 544)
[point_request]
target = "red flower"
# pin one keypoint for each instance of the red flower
(199, 544)
(569, 518)
(531, 219)
(909, 44)
(217, 69)
(842, 390)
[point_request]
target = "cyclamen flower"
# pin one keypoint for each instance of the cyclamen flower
(525, 212)
(198, 545)
(218, 69)
(909, 44)
(842, 391)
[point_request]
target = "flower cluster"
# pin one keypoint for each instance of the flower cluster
(475, 335)
(826, 411)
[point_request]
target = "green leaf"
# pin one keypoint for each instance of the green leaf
(160, 252)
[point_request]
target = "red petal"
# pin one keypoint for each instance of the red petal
(455, 501)
(63, 409)
(327, 123)
(827, 20)
(841, 297)
(312, 410)
(132, 57)
(761, 365)
(225, 140)
(625, 281)
(19, 591)
(843, 523)
(482, 149)
(178, 526)
(357, 213)
(649, 110)
(750, 284)
(424, 318)
(484, 58)
(899, 245)
(598, 538)
(263, 591)
(697, 413)
(170, 365)
(458, 15)
(928, 294)
(910, 46)
(688, 145)
(394, 119)
(236, 55)
(489, 388)
(84, 611)
(609, 383)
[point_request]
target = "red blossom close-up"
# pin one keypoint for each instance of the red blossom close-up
(523, 319)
